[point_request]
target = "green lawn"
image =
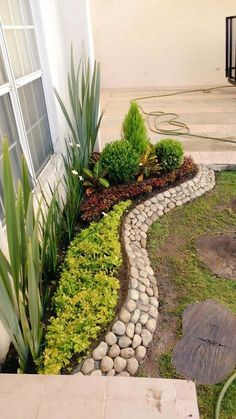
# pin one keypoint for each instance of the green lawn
(192, 280)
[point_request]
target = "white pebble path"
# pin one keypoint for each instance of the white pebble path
(125, 346)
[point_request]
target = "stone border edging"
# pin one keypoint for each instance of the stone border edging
(125, 346)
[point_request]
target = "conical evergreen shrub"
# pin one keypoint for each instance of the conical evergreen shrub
(134, 129)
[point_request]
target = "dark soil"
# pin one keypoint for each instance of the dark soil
(11, 363)
(219, 253)
(230, 206)
(168, 324)
(233, 205)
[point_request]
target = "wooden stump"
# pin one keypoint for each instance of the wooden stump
(219, 253)
(207, 351)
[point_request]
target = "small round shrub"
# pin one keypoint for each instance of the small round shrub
(134, 129)
(170, 154)
(121, 160)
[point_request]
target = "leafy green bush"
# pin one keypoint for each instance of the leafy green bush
(170, 154)
(88, 291)
(148, 164)
(95, 178)
(121, 160)
(134, 129)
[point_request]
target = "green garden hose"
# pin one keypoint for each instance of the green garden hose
(222, 393)
(180, 128)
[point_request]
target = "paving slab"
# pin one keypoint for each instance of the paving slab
(208, 114)
(76, 397)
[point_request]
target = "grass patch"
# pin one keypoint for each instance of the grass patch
(210, 214)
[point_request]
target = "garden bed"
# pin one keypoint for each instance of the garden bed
(125, 345)
(102, 201)
(183, 279)
(70, 354)
(70, 336)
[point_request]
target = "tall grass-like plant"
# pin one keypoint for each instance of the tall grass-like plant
(84, 121)
(83, 116)
(73, 184)
(51, 230)
(20, 275)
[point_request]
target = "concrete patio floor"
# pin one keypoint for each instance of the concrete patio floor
(212, 114)
(75, 397)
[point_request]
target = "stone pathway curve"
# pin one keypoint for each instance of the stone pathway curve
(125, 345)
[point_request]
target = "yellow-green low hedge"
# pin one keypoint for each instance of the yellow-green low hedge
(88, 291)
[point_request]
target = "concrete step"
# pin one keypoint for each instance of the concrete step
(76, 397)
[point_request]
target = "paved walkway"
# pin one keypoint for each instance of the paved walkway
(212, 114)
(75, 397)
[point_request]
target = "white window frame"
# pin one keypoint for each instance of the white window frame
(7, 88)
(11, 89)
(46, 79)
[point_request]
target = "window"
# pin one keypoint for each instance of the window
(23, 113)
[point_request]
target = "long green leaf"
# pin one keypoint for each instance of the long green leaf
(10, 322)
(22, 238)
(10, 217)
(30, 218)
(26, 184)
(88, 173)
(5, 274)
(103, 182)
(20, 303)
(34, 301)
(66, 114)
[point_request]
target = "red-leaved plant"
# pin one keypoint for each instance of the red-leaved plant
(93, 206)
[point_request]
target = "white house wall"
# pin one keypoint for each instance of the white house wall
(160, 42)
(64, 22)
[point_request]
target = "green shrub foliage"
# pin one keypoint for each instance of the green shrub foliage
(134, 129)
(121, 161)
(170, 154)
(88, 291)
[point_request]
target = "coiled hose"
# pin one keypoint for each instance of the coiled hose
(180, 128)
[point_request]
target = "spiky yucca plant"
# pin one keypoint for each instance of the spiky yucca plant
(20, 274)
(73, 184)
(84, 120)
(83, 116)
